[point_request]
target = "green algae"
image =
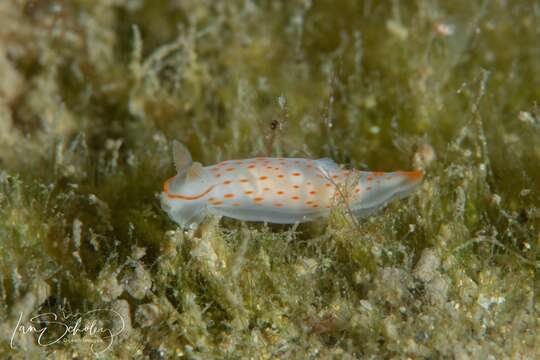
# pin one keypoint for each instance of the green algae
(93, 92)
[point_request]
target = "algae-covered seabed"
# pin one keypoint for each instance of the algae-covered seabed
(92, 92)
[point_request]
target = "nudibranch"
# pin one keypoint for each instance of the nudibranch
(275, 190)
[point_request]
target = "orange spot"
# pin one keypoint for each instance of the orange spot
(412, 175)
(218, 175)
(266, 189)
(244, 180)
(228, 196)
(269, 167)
(296, 186)
(280, 193)
(278, 205)
(248, 192)
(217, 202)
(369, 178)
(309, 202)
(263, 177)
(280, 176)
(296, 174)
(252, 166)
(312, 192)
(357, 190)
(377, 173)
(335, 177)
(276, 168)
(295, 197)
(230, 169)
(211, 199)
(314, 206)
(235, 204)
(258, 199)
(238, 162)
(227, 182)
(328, 185)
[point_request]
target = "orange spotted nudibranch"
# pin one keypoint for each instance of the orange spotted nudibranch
(275, 190)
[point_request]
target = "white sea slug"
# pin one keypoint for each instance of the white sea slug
(275, 190)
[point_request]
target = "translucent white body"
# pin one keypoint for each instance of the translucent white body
(278, 190)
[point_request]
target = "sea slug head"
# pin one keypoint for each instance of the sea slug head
(184, 194)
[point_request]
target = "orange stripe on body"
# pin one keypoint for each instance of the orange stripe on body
(412, 175)
(183, 197)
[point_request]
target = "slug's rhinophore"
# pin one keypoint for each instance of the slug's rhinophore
(275, 190)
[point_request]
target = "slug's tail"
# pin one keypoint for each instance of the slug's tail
(377, 189)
